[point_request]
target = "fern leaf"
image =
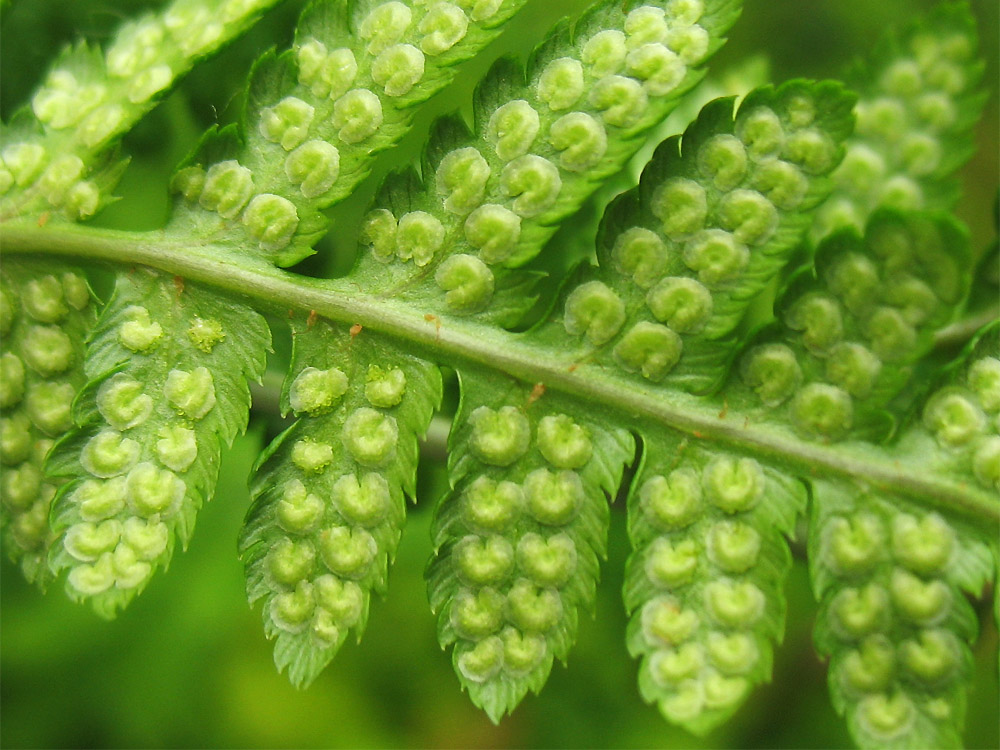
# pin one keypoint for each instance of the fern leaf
(919, 99)
(519, 536)
(318, 113)
(169, 364)
(704, 582)
(852, 328)
(891, 577)
(544, 140)
(45, 311)
(58, 161)
(518, 539)
(57, 155)
(713, 220)
(329, 491)
(893, 619)
(885, 277)
(959, 431)
(756, 366)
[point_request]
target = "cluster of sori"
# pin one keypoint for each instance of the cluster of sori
(311, 146)
(227, 188)
(329, 499)
(42, 319)
(964, 419)
(707, 237)
(336, 539)
(712, 229)
(88, 99)
(885, 286)
(850, 333)
(917, 104)
(709, 556)
(61, 180)
(517, 544)
(896, 624)
(115, 522)
(145, 455)
(543, 147)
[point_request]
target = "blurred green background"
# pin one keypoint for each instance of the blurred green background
(187, 665)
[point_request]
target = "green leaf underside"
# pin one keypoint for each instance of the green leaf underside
(519, 536)
(891, 578)
(329, 491)
(58, 160)
(959, 430)
(691, 263)
(58, 153)
(850, 329)
(169, 363)
(713, 221)
(46, 310)
(919, 99)
(893, 618)
(543, 141)
(318, 113)
(704, 583)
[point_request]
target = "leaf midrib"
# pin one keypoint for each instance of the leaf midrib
(457, 342)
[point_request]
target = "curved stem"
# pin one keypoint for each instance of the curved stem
(961, 331)
(461, 342)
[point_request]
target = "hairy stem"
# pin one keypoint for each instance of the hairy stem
(456, 342)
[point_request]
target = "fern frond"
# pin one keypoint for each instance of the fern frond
(887, 273)
(713, 221)
(58, 155)
(704, 583)
(519, 536)
(329, 491)
(761, 342)
(168, 363)
(317, 115)
(919, 99)
(894, 620)
(58, 161)
(543, 141)
(852, 327)
(46, 310)
(891, 577)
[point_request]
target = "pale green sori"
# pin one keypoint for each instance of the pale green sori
(502, 594)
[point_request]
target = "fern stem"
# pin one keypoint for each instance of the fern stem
(961, 331)
(457, 342)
